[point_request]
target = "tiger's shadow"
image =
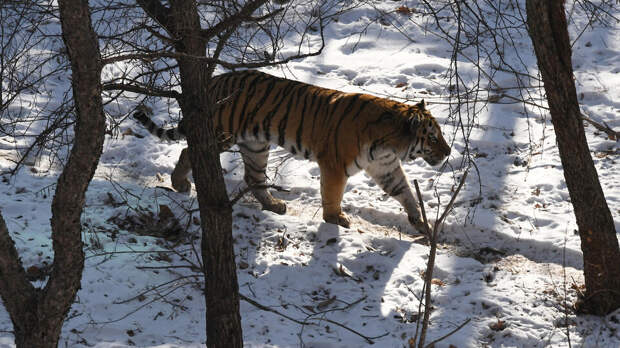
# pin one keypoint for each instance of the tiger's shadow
(305, 202)
(319, 274)
(479, 239)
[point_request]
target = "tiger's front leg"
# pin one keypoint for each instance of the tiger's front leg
(333, 182)
(387, 172)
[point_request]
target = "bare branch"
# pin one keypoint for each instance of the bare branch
(244, 15)
(428, 276)
(142, 90)
(15, 289)
(305, 322)
(432, 343)
(603, 128)
(159, 13)
(208, 60)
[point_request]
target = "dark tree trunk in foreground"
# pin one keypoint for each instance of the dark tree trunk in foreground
(38, 314)
(601, 257)
(222, 289)
(223, 320)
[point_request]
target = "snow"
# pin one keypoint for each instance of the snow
(511, 256)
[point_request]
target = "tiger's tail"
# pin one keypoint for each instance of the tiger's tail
(142, 115)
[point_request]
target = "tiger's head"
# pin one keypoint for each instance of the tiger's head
(429, 142)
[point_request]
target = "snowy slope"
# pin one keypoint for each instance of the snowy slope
(508, 260)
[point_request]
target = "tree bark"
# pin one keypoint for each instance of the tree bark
(38, 314)
(223, 321)
(548, 30)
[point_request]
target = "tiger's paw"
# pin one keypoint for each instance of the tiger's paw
(181, 185)
(418, 224)
(341, 219)
(277, 206)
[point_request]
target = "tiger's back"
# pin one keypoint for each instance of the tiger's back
(308, 121)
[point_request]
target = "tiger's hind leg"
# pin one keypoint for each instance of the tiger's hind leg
(180, 174)
(180, 180)
(255, 157)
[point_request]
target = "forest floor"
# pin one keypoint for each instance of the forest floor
(509, 258)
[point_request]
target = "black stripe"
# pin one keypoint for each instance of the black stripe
(363, 106)
(249, 96)
(399, 188)
(357, 164)
(261, 102)
(322, 102)
(372, 149)
(417, 141)
(221, 89)
(376, 143)
(220, 85)
(284, 121)
(251, 165)
(237, 84)
(261, 150)
(318, 103)
(342, 117)
(253, 168)
(300, 128)
(267, 120)
(386, 180)
(381, 118)
(394, 158)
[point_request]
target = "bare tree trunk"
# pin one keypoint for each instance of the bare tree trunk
(222, 290)
(223, 321)
(601, 255)
(38, 314)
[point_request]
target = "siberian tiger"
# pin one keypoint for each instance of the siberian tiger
(343, 132)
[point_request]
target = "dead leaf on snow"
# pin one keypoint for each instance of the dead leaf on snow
(437, 282)
(404, 10)
(498, 326)
(164, 212)
(324, 304)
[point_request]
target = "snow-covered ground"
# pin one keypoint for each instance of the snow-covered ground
(509, 261)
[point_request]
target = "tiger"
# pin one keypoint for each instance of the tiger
(344, 133)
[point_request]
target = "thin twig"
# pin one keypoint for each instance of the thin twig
(612, 134)
(154, 288)
(368, 339)
(448, 334)
(451, 203)
(268, 309)
(428, 276)
(192, 267)
(565, 294)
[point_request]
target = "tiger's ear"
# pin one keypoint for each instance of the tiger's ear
(421, 105)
